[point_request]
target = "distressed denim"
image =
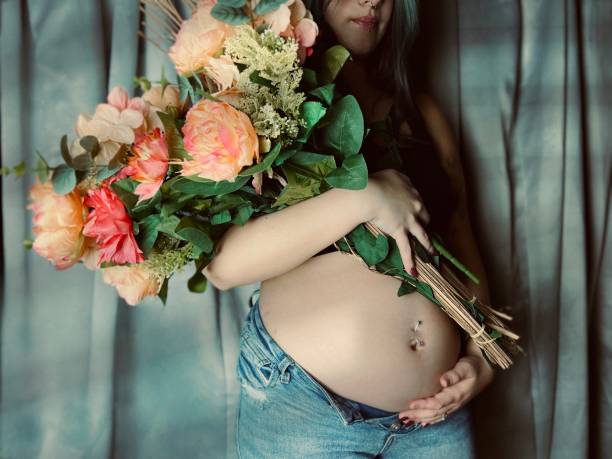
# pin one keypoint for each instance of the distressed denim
(284, 412)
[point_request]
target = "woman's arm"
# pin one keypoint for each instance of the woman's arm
(459, 237)
(275, 243)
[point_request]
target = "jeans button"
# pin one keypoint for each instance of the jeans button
(395, 426)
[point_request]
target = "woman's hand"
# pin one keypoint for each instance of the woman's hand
(398, 208)
(470, 375)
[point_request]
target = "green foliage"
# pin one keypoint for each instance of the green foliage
(228, 14)
(63, 179)
(343, 128)
(267, 6)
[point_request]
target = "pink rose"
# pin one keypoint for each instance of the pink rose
(111, 226)
(57, 224)
(199, 38)
(220, 139)
(149, 164)
(133, 282)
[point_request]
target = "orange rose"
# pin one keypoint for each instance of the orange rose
(133, 282)
(220, 139)
(57, 223)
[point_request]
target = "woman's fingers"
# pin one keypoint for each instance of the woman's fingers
(419, 232)
(403, 244)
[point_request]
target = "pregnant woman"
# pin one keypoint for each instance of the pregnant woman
(332, 363)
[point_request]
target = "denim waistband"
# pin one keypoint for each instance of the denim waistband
(349, 409)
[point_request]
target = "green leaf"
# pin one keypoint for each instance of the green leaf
(267, 6)
(148, 233)
(185, 89)
(256, 78)
(343, 128)
(305, 174)
(90, 144)
(284, 155)
(83, 162)
(117, 160)
(309, 78)
(353, 175)
(19, 169)
(106, 172)
(243, 213)
(174, 141)
(232, 3)
(63, 179)
(324, 93)
(220, 218)
(333, 61)
(195, 233)
(262, 166)
(168, 224)
(196, 186)
(312, 112)
(65, 151)
(163, 292)
(229, 15)
(373, 249)
(405, 288)
(42, 168)
(28, 243)
(197, 283)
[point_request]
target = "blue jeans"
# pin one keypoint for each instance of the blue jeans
(284, 412)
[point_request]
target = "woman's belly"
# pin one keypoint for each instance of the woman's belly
(345, 325)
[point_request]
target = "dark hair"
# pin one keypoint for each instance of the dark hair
(391, 63)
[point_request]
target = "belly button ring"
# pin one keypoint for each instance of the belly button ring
(416, 343)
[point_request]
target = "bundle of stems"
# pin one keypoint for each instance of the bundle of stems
(450, 291)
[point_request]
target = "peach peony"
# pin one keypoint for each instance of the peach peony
(149, 164)
(222, 71)
(199, 38)
(57, 224)
(160, 97)
(111, 226)
(220, 139)
(133, 282)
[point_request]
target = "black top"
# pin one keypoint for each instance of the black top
(416, 156)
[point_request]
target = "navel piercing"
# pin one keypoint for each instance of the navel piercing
(415, 342)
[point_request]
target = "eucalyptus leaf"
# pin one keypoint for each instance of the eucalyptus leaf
(90, 143)
(65, 150)
(267, 6)
(63, 179)
(229, 15)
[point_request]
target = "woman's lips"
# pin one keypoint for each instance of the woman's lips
(365, 21)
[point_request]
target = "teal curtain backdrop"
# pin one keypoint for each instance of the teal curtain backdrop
(527, 86)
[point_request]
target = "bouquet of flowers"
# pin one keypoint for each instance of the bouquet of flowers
(151, 183)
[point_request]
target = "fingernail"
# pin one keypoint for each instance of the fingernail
(414, 272)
